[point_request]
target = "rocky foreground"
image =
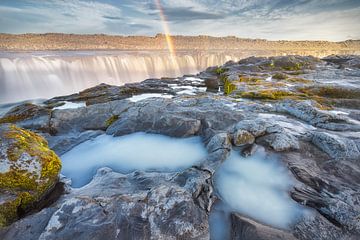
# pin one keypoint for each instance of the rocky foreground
(307, 110)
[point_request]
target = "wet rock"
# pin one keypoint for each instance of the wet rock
(305, 229)
(219, 141)
(63, 143)
(179, 118)
(98, 94)
(257, 127)
(330, 187)
(28, 171)
(305, 111)
(243, 228)
(29, 116)
(249, 150)
(242, 137)
(212, 84)
(116, 206)
(280, 140)
(344, 61)
(93, 117)
(337, 147)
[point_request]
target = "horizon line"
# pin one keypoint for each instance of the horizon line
(162, 34)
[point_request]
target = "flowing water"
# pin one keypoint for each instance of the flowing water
(137, 151)
(45, 74)
(257, 187)
(26, 76)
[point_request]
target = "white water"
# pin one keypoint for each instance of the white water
(47, 74)
(71, 105)
(138, 151)
(143, 96)
(257, 187)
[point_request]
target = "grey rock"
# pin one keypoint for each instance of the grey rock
(257, 127)
(116, 206)
(180, 117)
(63, 143)
(249, 150)
(243, 228)
(305, 111)
(212, 83)
(219, 141)
(242, 137)
(28, 116)
(337, 147)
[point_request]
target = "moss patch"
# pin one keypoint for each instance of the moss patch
(279, 76)
(24, 184)
(22, 112)
(229, 87)
(111, 120)
(219, 70)
(266, 94)
(331, 92)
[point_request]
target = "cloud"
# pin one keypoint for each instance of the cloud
(184, 14)
(271, 19)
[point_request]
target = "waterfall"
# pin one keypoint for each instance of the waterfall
(41, 74)
(26, 76)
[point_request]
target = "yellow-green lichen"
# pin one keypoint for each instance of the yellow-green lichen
(229, 87)
(219, 70)
(266, 94)
(111, 120)
(279, 76)
(331, 92)
(249, 79)
(26, 187)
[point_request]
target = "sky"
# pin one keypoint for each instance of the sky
(333, 20)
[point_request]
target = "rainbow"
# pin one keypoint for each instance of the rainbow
(166, 28)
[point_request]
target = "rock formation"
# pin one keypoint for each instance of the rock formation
(303, 109)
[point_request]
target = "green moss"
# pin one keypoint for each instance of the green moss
(279, 76)
(298, 80)
(229, 87)
(248, 79)
(128, 91)
(111, 120)
(266, 94)
(219, 70)
(20, 114)
(293, 67)
(28, 187)
(331, 92)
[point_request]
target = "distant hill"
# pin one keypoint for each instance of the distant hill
(58, 41)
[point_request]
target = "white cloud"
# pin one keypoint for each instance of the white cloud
(271, 19)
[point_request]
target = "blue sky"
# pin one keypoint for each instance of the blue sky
(333, 20)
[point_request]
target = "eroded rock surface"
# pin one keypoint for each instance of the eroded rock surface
(303, 109)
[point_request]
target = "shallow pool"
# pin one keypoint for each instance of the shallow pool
(138, 151)
(258, 187)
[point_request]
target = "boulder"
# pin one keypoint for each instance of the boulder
(242, 137)
(212, 84)
(28, 171)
